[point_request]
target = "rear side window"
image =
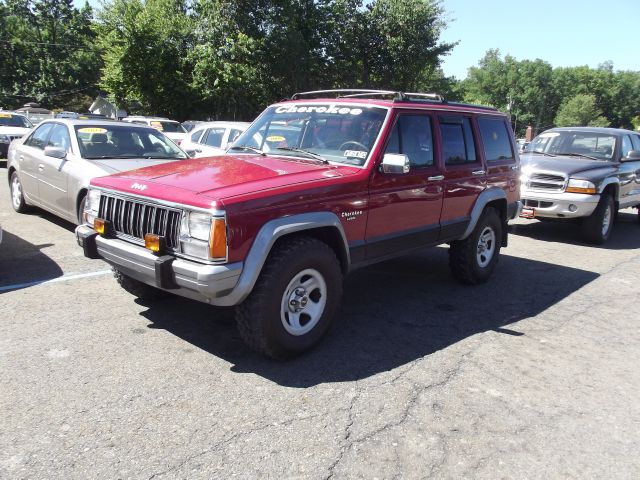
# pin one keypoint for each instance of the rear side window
(636, 142)
(626, 145)
(213, 137)
(495, 139)
(458, 146)
(195, 136)
(39, 137)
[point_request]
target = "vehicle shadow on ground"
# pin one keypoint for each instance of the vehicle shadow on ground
(625, 234)
(392, 314)
(23, 264)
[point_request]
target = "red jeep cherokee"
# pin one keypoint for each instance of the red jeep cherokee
(317, 186)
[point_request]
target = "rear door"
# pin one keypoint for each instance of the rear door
(404, 209)
(502, 162)
(464, 173)
(628, 173)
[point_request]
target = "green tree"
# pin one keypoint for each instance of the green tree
(146, 48)
(48, 52)
(580, 111)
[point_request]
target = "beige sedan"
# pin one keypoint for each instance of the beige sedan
(52, 166)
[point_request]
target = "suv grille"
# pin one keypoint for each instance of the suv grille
(134, 218)
(545, 181)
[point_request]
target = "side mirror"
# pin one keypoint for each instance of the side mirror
(395, 163)
(191, 152)
(55, 152)
(632, 156)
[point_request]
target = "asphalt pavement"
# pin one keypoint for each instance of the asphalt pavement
(533, 375)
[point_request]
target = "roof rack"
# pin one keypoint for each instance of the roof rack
(356, 92)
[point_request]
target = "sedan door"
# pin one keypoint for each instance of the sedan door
(28, 156)
(53, 175)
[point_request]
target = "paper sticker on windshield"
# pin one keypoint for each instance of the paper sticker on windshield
(82, 117)
(92, 130)
(355, 153)
(5, 115)
(549, 135)
(157, 125)
(275, 138)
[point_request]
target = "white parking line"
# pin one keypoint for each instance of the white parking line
(64, 278)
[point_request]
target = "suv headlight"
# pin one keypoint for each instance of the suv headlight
(204, 236)
(580, 186)
(5, 139)
(91, 206)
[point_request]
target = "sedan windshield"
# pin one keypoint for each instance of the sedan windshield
(10, 120)
(598, 146)
(125, 141)
(326, 132)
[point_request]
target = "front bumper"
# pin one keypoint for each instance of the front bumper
(212, 284)
(559, 205)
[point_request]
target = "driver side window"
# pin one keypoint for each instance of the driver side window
(412, 136)
(39, 137)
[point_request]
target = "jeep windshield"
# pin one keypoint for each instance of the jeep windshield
(334, 132)
(590, 145)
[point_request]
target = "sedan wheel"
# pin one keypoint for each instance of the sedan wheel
(17, 197)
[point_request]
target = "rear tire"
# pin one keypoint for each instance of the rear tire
(17, 194)
(137, 288)
(597, 227)
(473, 259)
(294, 300)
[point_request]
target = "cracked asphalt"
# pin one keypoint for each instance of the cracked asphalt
(533, 375)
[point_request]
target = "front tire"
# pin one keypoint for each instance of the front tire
(473, 259)
(294, 300)
(17, 195)
(596, 228)
(137, 288)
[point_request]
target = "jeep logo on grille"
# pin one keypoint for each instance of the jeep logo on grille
(139, 186)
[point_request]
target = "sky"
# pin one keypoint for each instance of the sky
(564, 33)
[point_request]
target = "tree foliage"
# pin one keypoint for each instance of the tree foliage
(48, 53)
(580, 111)
(536, 94)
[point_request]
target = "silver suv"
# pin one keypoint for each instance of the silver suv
(581, 173)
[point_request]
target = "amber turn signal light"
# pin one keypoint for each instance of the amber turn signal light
(218, 239)
(99, 225)
(152, 242)
(581, 190)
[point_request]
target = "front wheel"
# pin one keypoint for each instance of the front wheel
(17, 195)
(294, 300)
(473, 259)
(596, 228)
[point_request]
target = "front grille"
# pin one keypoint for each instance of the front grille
(14, 137)
(537, 203)
(134, 218)
(545, 181)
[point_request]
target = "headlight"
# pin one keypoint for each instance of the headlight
(91, 206)
(580, 186)
(199, 226)
(203, 236)
(5, 139)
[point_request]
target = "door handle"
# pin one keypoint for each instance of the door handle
(478, 172)
(435, 178)
(40, 167)
(21, 158)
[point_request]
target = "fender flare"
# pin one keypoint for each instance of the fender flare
(610, 181)
(266, 238)
(486, 197)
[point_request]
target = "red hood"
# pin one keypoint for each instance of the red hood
(204, 181)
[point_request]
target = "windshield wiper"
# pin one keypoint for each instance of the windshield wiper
(541, 153)
(315, 156)
(247, 147)
(572, 154)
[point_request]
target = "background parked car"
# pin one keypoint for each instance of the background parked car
(51, 167)
(12, 127)
(172, 129)
(213, 138)
(191, 124)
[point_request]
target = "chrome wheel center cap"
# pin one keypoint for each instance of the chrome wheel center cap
(298, 300)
